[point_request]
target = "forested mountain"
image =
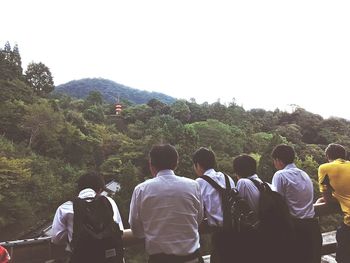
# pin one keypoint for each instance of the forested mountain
(110, 91)
(47, 142)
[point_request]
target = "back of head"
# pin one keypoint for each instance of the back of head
(335, 151)
(244, 166)
(205, 158)
(163, 157)
(90, 180)
(284, 153)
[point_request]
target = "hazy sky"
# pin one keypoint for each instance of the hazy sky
(265, 54)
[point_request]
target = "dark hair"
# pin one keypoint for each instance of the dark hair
(335, 151)
(244, 165)
(91, 180)
(284, 153)
(163, 156)
(205, 158)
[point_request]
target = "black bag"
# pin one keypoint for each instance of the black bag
(96, 236)
(277, 235)
(240, 232)
(237, 214)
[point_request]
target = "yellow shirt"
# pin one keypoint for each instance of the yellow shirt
(338, 175)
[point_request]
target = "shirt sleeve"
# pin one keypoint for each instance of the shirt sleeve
(134, 216)
(116, 215)
(201, 204)
(59, 227)
(277, 183)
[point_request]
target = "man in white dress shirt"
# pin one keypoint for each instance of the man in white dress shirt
(204, 163)
(167, 210)
(244, 167)
(296, 188)
(89, 185)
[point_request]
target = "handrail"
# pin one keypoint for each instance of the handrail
(41, 249)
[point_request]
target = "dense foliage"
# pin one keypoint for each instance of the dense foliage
(46, 142)
(110, 91)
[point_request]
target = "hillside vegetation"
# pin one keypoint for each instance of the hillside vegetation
(110, 91)
(47, 141)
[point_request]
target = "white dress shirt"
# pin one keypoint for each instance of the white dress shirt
(249, 192)
(296, 188)
(211, 197)
(167, 210)
(62, 226)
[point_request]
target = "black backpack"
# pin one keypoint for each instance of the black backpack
(276, 226)
(240, 232)
(96, 236)
(237, 214)
(273, 210)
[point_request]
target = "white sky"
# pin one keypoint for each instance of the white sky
(265, 54)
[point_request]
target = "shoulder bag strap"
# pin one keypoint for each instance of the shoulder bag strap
(212, 183)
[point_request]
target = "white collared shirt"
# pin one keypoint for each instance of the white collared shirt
(167, 210)
(62, 226)
(211, 197)
(249, 192)
(296, 188)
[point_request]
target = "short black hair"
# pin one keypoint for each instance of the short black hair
(91, 180)
(164, 156)
(205, 158)
(284, 153)
(335, 151)
(244, 165)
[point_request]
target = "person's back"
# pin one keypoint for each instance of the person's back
(70, 218)
(334, 183)
(275, 234)
(297, 190)
(168, 205)
(204, 162)
(167, 210)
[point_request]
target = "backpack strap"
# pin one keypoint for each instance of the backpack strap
(262, 186)
(213, 183)
(223, 192)
(216, 185)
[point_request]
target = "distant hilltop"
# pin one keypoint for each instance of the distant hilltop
(110, 91)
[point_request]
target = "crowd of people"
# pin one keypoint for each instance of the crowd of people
(169, 211)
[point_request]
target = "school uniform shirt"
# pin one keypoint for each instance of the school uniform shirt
(211, 197)
(249, 192)
(297, 190)
(62, 226)
(166, 211)
(336, 175)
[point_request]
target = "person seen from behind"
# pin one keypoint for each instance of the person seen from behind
(296, 187)
(65, 224)
(204, 164)
(166, 211)
(334, 183)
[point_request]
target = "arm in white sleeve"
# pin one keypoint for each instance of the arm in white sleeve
(116, 215)
(134, 216)
(59, 227)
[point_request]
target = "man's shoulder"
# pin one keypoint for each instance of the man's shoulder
(144, 184)
(327, 166)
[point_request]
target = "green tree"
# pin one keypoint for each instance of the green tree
(179, 110)
(94, 113)
(266, 169)
(39, 78)
(219, 136)
(42, 123)
(94, 98)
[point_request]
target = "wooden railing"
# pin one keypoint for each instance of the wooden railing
(41, 249)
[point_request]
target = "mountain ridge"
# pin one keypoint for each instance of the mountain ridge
(110, 91)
